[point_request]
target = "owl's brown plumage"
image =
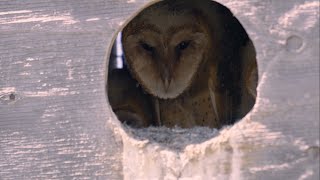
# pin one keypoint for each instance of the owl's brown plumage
(190, 57)
(129, 103)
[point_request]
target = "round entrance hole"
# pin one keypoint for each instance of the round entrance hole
(182, 64)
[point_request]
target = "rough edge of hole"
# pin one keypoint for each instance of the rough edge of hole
(126, 132)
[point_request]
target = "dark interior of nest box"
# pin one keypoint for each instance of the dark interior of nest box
(182, 64)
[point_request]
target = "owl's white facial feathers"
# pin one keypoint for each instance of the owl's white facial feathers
(165, 53)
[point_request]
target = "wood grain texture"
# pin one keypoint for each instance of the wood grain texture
(53, 62)
(55, 122)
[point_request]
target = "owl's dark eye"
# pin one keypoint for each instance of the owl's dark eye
(147, 47)
(183, 45)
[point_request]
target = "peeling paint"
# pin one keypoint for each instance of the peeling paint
(27, 65)
(301, 18)
(70, 70)
(14, 12)
(304, 16)
(50, 92)
(274, 167)
(93, 19)
(131, 1)
(306, 175)
(7, 90)
(65, 18)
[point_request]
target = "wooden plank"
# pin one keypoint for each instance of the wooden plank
(55, 122)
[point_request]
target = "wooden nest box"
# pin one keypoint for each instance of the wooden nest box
(56, 122)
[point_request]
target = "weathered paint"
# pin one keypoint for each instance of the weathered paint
(55, 122)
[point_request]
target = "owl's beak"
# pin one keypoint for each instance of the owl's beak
(166, 84)
(166, 78)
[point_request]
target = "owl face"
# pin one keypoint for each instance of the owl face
(164, 49)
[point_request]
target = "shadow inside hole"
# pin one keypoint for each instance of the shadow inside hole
(221, 91)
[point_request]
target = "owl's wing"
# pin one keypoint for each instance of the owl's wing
(221, 101)
(131, 118)
(155, 101)
(213, 96)
(250, 68)
(251, 83)
(128, 101)
(213, 100)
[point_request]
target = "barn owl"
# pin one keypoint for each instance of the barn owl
(190, 57)
(128, 101)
